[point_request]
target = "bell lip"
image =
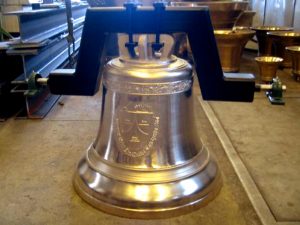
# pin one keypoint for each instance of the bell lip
(211, 192)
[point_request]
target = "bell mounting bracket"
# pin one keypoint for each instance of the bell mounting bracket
(159, 8)
(159, 19)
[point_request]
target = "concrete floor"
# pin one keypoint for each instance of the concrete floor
(267, 140)
(38, 159)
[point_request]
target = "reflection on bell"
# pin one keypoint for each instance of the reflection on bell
(147, 160)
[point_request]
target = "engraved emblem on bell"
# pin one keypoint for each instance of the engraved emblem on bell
(137, 129)
(147, 160)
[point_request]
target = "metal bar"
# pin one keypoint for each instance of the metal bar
(60, 58)
(265, 12)
(70, 37)
(279, 12)
(296, 23)
(267, 87)
(43, 47)
(69, 21)
(241, 77)
(39, 25)
(38, 108)
(47, 58)
(259, 7)
(42, 81)
(293, 13)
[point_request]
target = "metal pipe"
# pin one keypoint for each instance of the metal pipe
(69, 20)
(70, 37)
(42, 81)
(267, 87)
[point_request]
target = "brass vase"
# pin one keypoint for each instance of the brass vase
(268, 66)
(230, 45)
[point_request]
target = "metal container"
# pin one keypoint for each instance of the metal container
(268, 66)
(147, 160)
(295, 54)
(282, 39)
(230, 45)
(264, 42)
(224, 14)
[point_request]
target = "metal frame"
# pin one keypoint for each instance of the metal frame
(43, 47)
(37, 26)
(195, 22)
(45, 59)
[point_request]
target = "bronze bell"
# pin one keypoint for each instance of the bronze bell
(147, 160)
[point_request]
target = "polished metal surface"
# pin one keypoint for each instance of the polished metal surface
(282, 40)
(244, 77)
(268, 87)
(224, 14)
(230, 45)
(259, 7)
(37, 26)
(264, 42)
(295, 54)
(296, 23)
(279, 12)
(147, 160)
(268, 66)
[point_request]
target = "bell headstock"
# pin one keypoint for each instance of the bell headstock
(159, 19)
